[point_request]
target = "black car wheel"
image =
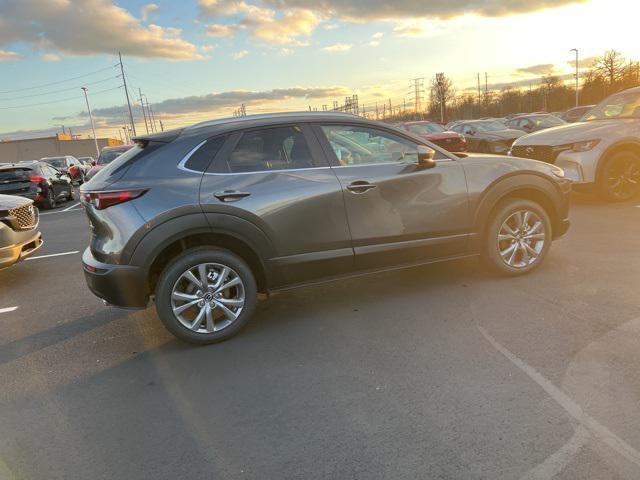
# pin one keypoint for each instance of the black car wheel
(518, 237)
(620, 177)
(71, 195)
(50, 201)
(206, 295)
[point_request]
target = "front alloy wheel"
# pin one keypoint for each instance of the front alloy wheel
(517, 237)
(521, 239)
(620, 179)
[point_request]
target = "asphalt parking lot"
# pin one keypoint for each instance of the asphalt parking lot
(442, 372)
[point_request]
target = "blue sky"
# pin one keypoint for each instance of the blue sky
(197, 59)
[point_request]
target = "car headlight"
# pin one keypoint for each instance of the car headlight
(584, 146)
(557, 171)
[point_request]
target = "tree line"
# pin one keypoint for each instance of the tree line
(610, 73)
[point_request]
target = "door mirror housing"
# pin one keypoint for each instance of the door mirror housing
(426, 157)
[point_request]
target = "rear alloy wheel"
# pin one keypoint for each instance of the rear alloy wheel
(620, 177)
(206, 295)
(518, 237)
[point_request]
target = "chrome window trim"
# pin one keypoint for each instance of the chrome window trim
(186, 158)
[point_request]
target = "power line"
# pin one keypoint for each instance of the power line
(59, 81)
(58, 101)
(57, 91)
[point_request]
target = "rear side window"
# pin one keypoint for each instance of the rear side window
(201, 159)
(279, 148)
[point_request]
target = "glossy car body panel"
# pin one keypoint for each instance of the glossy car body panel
(16, 244)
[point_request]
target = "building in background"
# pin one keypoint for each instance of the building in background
(61, 144)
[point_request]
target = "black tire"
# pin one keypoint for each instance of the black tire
(50, 200)
(173, 273)
(492, 246)
(71, 195)
(619, 179)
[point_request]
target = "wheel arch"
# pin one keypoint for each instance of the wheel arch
(164, 242)
(526, 186)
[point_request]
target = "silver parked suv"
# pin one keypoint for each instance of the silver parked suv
(601, 151)
(202, 219)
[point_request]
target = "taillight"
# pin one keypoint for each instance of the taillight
(36, 179)
(73, 171)
(102, 200)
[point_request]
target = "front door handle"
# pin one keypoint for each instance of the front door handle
(231, 195)
(360, 186)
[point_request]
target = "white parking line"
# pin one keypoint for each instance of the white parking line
(72, 206)
(8, 309)
(53, 255)
(567, 403)
(60, 211)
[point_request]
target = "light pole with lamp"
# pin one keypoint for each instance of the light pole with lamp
(95, 140)
(577, 78)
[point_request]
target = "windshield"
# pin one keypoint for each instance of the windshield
(59, 163)
(425, 128)
(620, 105)
(489, 126)
(108, 156)
(547, 121)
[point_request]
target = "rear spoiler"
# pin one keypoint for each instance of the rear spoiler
(163, 137)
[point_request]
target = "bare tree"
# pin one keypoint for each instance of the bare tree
(611, 66)
(442, 92)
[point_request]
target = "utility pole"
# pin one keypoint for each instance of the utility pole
(126, 91)
(440, 84)
(390, 109)
(143, 112)
(152, 119)
(479, 96)
(486, 94)
(418, 90)
(161, 126)
(577, 77)
(95, 140)
(377, 115)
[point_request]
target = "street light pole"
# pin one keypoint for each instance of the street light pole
(577, 78)
(93, 129)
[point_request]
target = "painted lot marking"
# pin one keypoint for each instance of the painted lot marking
(8, 309)
(66, 210)
(53, 255)
(567, 403)
(72, 206)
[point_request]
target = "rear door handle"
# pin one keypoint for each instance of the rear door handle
(231, 195)
(360, 186)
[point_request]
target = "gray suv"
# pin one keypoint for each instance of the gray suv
(202, 219)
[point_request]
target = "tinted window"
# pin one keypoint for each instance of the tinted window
(425, 128)
(108, 156)
(59, 163)
(363, 145)
(271, 149)
(201, 159)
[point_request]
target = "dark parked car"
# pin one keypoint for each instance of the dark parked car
(575, 114)
(36, 180)
(535, 122)
(202, 219)
(107, 155)
(436, 133)
(19, 235)
(487, 136)
(69, 165)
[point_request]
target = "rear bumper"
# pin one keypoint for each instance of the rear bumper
(20, 250)
(123, 286)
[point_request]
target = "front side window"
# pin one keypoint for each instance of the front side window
(354, 145)
(279, 148)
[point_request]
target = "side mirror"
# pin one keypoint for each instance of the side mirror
(426, 157)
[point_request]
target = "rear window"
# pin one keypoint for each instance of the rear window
(14, 174)
(108, 156)
(59, 163)
(123, 160)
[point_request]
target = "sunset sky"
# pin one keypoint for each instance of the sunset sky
(202, 59)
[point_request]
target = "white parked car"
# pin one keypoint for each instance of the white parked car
(601, 151)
